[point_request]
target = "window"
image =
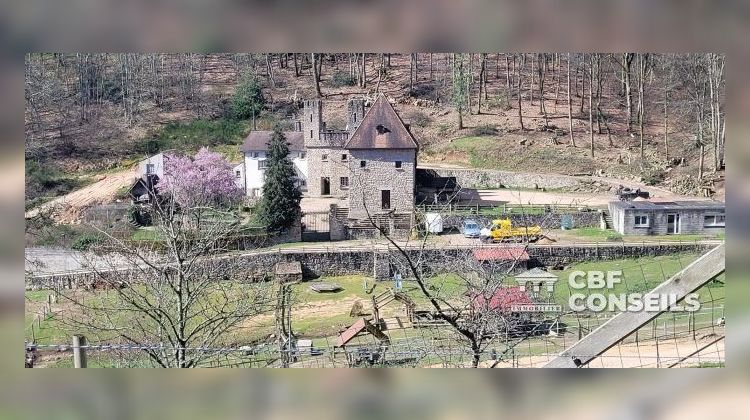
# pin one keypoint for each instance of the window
(324, 158)
(302, 155)
(150, 168)
(641, 220)
(238, 174)
(344, 182)
(311, 132)
(354, 116)
(362, 163)
(714, 220)
(344, 157)
(302, 183)
(262, 164)
(398, 164)
(311, 121)
(254, 155)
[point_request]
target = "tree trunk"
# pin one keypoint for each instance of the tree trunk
(316, 75)
(627, 61)
(520, 114)
(642, 61)
(591, 110)
(570, 109)
(508, 91)
(667, 81)
(542, 74)
(481, 82)
(431, 67)
(531, 87)
(296, 65)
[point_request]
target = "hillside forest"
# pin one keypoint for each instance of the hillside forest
(654, 118)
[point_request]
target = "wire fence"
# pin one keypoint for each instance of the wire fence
(671, 339)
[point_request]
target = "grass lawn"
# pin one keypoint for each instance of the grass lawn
(321, 316)
(145, 234)
(592, 234)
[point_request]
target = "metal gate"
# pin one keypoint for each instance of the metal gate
(315, 226)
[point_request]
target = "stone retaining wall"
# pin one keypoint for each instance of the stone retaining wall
(379, 263)
(487, 179)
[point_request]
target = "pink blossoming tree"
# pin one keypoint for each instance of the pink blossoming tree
(205, 180)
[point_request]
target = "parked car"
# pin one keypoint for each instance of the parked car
(471, 229)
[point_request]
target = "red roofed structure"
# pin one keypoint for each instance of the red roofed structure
(503, 299)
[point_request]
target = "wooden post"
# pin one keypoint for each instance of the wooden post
(79, 351)
(49, 304)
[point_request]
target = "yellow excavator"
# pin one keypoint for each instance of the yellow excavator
(502, 230)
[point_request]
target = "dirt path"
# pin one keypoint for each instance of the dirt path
(649, 354)
(526, 197)
(70, 205)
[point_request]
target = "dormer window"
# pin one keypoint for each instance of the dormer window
(362, 163)
(381, 130)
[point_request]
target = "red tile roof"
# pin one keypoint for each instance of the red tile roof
(503, 299)
(501, 254)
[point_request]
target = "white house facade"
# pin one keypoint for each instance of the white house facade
(252, 174)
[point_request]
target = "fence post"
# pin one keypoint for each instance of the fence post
(79, 352)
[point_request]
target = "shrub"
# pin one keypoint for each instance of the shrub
(419, 119)
(444, 129)
(248, 98)
(485, 130)
(654, 177)
(341, 79)
(84, 241)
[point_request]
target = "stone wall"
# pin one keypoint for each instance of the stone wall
(557, 255)
(380, 263)
(334, 168)
(486, 179)
(381, 174)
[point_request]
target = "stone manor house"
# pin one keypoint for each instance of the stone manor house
(371, 164)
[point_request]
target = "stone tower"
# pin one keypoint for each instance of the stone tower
(355, 114)
(312, 122)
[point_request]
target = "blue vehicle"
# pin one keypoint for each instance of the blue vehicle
(471, 229)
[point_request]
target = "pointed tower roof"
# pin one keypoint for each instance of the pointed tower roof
(381, 128)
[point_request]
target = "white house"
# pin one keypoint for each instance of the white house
(255, 147)
(153, 165)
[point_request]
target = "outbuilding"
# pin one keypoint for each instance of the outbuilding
(643, 217)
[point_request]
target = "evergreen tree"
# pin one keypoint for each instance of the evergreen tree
(279, 207)
(248, 99)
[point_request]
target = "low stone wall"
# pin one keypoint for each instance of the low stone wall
(486, 178)
(556, 255)
(379, 263)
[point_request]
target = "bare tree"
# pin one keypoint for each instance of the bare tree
(570, 109)
(591, 110)
(542, 69)
(173, 296)
(316, 73)
(518, 91)
(467, 312)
